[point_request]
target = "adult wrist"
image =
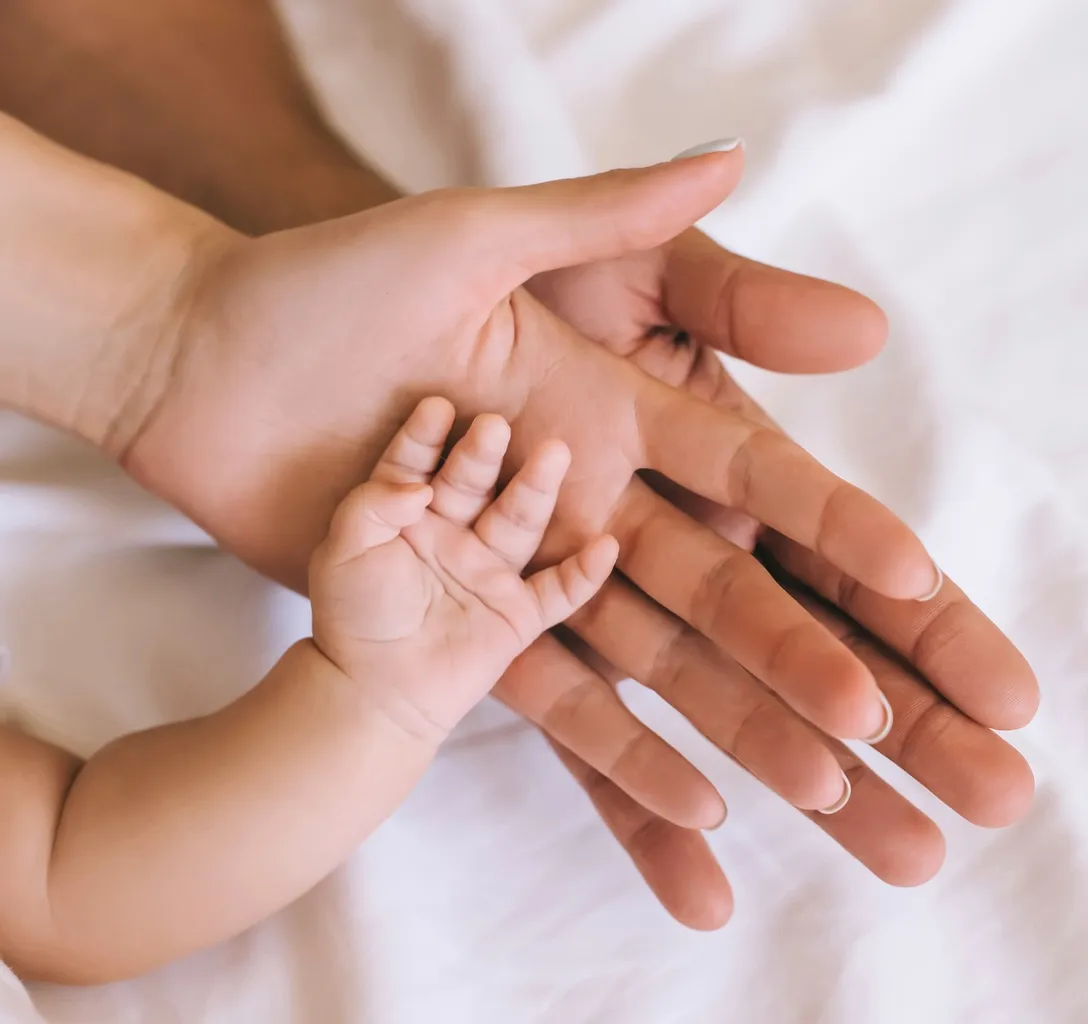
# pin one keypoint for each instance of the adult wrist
(94, 268)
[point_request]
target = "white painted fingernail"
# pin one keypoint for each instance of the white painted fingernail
(937, 588)
(843, 800)
(887, 726)
(717, 146)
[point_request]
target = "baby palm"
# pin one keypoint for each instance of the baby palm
(421, 574)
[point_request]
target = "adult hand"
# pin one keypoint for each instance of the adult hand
(774, 319)
(296, 355)
(950, 675)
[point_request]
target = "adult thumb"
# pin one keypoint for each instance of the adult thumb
(536, 228)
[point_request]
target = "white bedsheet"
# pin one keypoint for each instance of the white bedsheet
(931, 152)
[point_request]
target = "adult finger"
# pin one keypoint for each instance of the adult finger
(760, 471)
(725, 593)
(877, 826)
(948, 640)
(945, 643)
(715, 694)
(676, 863)
(578, 709)
(884, 831)
(971, 769)
(769, 317)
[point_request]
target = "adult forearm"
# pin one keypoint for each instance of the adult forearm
(199, 97)
(92, 265)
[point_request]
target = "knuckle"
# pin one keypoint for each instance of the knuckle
(829, 518)
(520, 512)
(718, 590)
(562, 717)
(634, 750)
(468, 475)
(752, 717)
(741, 470)
(572, 582)
(667, 669)
(724, 317)
(647, 838)
(752, 456)
(785, 642)
(924, 730)
(941, 631)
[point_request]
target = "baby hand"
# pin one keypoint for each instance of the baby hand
(417, 592)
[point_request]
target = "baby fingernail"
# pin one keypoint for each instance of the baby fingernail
(843, 800)
(886, 728)
(936, 587)
(717, 146)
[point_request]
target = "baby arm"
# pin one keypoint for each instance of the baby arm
(172, 839)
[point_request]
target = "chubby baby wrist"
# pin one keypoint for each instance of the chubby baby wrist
(378, 698)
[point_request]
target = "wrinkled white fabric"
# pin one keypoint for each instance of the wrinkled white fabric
(930, 152)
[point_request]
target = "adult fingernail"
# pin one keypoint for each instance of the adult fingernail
(886, 728)
(936, 587)
(717, 146)
(843, 800)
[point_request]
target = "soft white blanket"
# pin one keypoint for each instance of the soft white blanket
(930, 152)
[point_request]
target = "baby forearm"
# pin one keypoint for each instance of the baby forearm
(176, 838)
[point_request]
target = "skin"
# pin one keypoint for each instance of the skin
(171, 839)
(632, 305)
(283, 461)
(420, 578)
